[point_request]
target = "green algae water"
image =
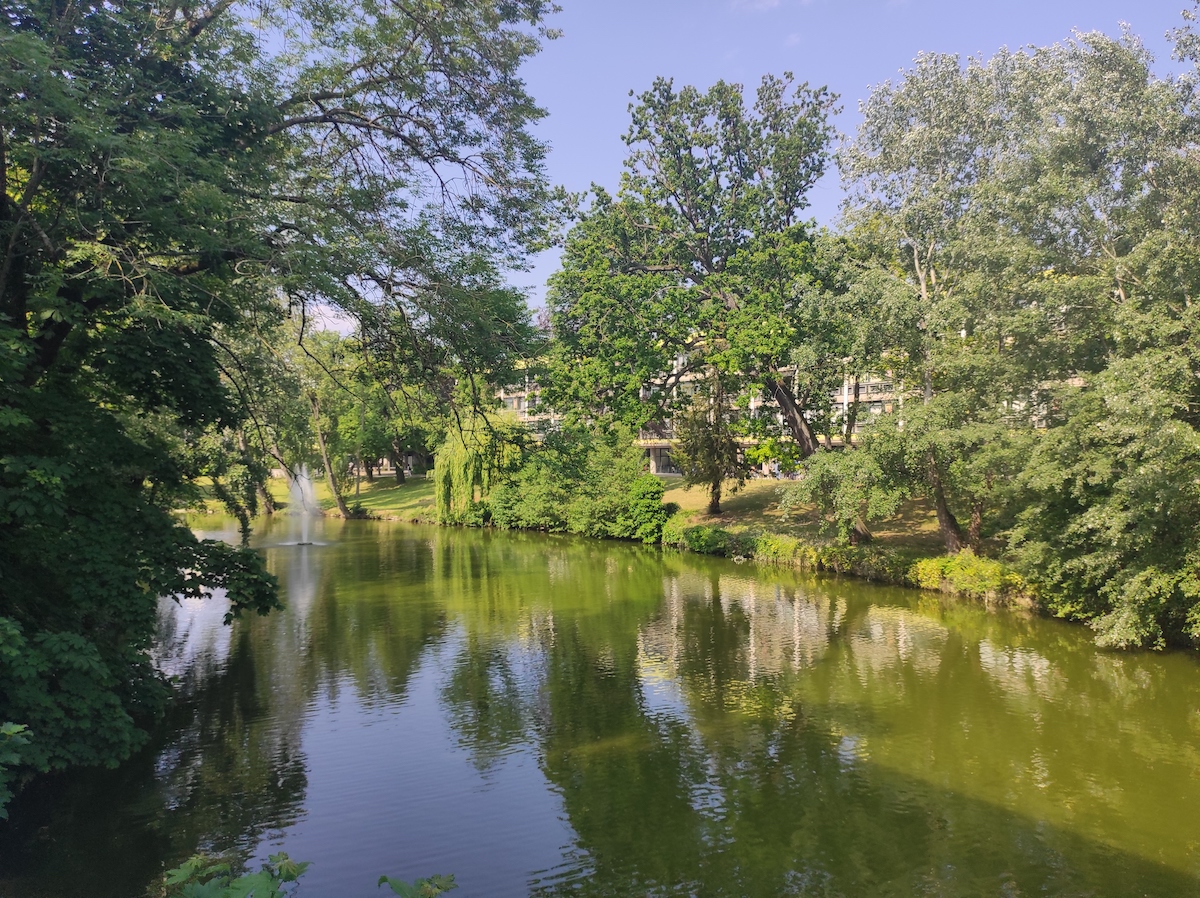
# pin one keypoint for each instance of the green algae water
(550, 716)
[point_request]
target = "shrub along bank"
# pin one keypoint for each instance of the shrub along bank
(965, 574)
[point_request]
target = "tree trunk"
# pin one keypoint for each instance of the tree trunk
(861, 533)
(948, 527)
(852, 416)
(277, 454)
(714, 497)
(975, 528)
(397, 457)
(329, 478)
(370, 469)
(793, 416)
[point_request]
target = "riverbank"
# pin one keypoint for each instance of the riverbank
(906, 550)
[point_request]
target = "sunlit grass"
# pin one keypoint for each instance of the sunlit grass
(755, 506)
(410, 501)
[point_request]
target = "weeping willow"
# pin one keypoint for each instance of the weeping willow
(469, 461)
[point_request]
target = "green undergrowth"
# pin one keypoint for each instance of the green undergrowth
(968, 574)
(965, 574)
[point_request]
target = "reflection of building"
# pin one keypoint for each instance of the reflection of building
(773, 628)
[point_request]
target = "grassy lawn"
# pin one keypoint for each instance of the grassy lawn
(755, 506)
(410, 501)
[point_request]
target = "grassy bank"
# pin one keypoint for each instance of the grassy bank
(906, 549)
(755, 507)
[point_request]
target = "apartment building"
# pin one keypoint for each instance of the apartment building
(878, 394)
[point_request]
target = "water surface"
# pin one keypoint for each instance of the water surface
(551, 716)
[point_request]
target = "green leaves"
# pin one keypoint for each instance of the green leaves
(706, 448)
(850, 488)
(474, 456)
(202, 877)
(701, 263)
(586, 480)
(420, 888)
(1039, 207)
(1111, 527)
(13, 737)
(716, 171)
(171, 179)
(60, 686)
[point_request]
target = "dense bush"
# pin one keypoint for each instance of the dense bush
(647, 513)
(968, 574)
(592, 482)
(673, 527)
(964, 574)
(849, 489)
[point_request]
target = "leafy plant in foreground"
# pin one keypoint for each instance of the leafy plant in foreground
(428, 887)
(12, 737)
(202, 877)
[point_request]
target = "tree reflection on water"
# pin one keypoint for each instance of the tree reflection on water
(702, 728)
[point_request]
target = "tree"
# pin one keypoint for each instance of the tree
(708, 451)
(473, 457)
(1112, 492)
(849, 489)
(913, 172)
(116, 208)
(168, 174)
(701, 261)
(588, 480)
(1040, 208)
(1000, 192)
(1112, 517)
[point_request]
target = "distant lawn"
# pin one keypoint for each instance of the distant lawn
(410, 501)
(755, 506)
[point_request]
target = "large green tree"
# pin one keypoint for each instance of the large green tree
(1039, 207)
(170, 175)
(702, 260)
(1112, 492)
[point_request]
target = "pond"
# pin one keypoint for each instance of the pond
(544, 715)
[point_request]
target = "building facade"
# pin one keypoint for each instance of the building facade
(878, 394)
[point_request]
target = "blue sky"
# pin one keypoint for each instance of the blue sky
(610, 47)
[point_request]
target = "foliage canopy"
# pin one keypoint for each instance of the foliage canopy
(172, 178)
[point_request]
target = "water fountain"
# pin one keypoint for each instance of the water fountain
(303, 499)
